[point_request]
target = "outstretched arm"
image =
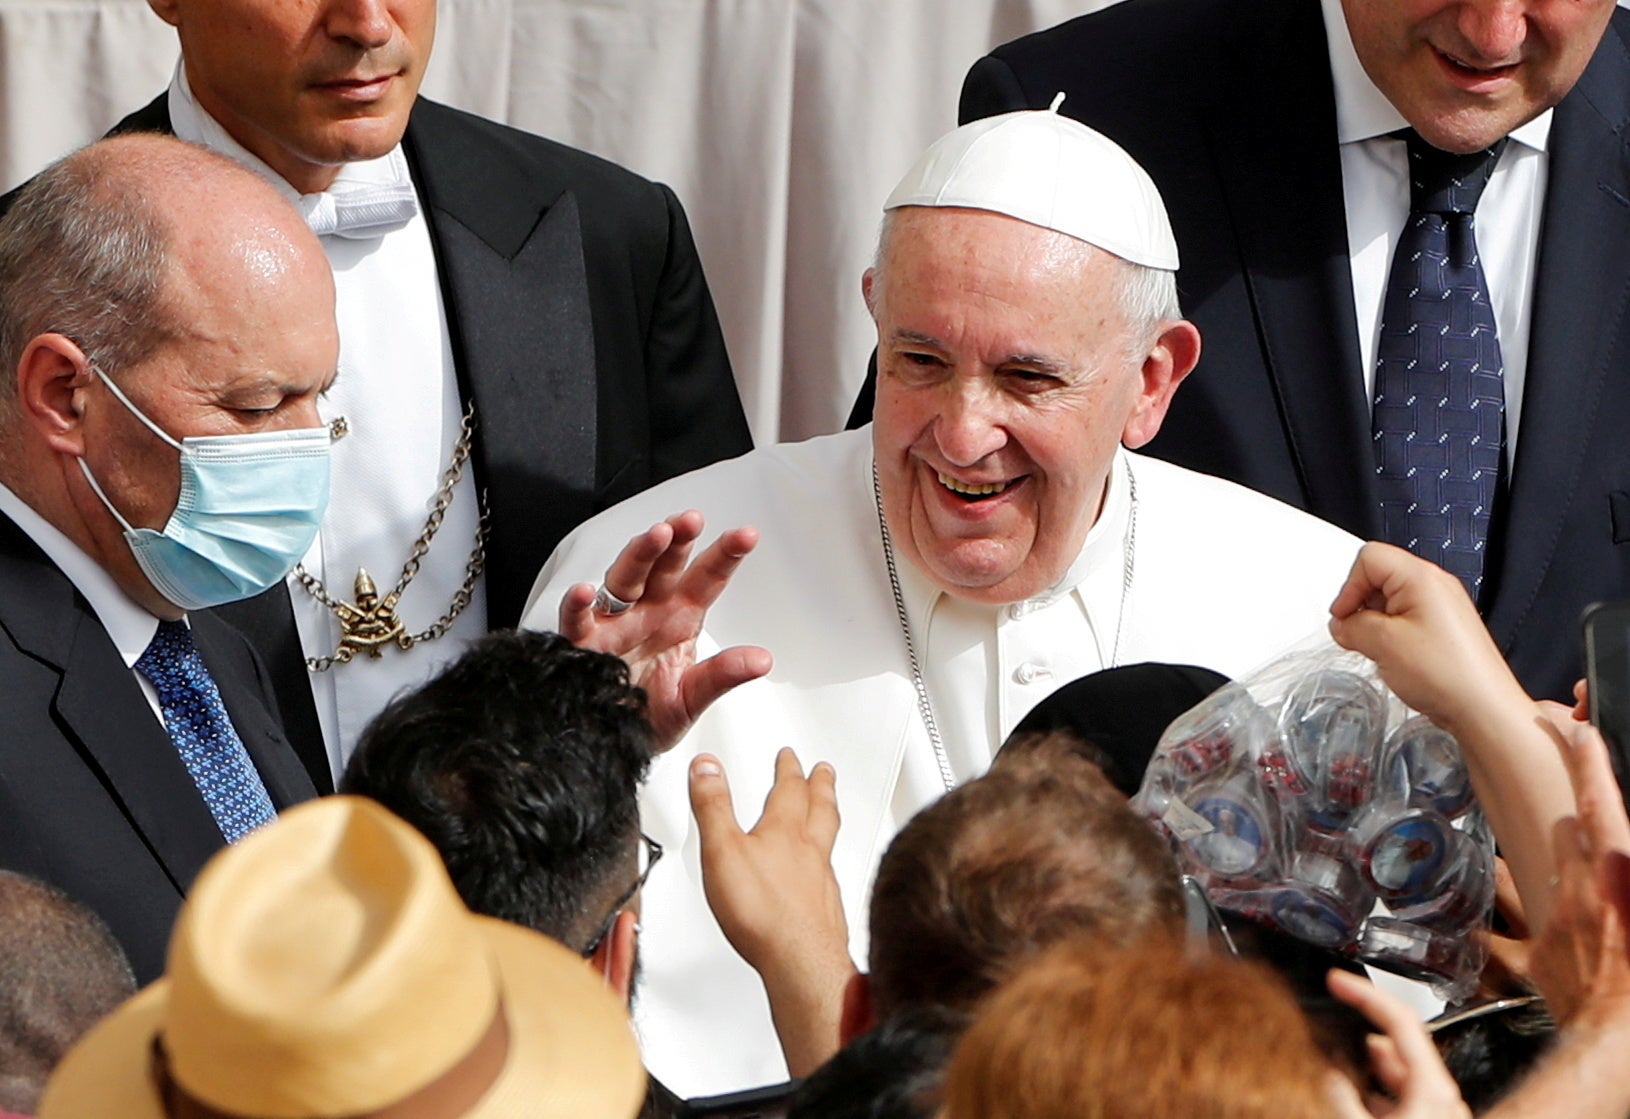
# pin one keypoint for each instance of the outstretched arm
(776, 899)
(1415, 622)
(1582, 961)
(652, 611)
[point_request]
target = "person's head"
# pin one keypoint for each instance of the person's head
(1464, 73)
(1490, 1048)
(61, 971)
(1025, 330)
(1091, 1033)
(1119, 714)
(521, 763)
(1039, 848)
(145, 277)
(892, 1071)
(310, 85)
(324, 967)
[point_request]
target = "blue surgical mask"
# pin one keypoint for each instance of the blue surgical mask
(249, 509)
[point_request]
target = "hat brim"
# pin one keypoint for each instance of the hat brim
(571, 1049)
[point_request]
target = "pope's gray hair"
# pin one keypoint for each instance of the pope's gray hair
(1148, 296)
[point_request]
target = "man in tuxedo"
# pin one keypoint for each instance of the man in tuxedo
(166, 325)
(1273, 130)
(554, 299)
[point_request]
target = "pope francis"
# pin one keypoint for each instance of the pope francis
(923, 582)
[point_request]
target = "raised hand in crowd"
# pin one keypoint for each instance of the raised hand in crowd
(1416, 623)
(1402, 1057)
(1581, 961)
(776, 898)
(650, 610)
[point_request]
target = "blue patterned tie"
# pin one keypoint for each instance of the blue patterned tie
(1439, 416)
(203, 735)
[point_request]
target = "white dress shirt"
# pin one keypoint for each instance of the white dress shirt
(1375, 186)
(129, 626)
(398, 391)
(986, 666)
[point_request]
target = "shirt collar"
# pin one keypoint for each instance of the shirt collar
(1363, 111)
(189, 121)
(130, 627)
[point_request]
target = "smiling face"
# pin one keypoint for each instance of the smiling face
(1007, 376)
(1465, 73)
(306, 85)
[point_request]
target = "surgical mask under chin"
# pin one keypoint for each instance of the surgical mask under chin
(249, 509)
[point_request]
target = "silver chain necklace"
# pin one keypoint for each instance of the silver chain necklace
(926, 708)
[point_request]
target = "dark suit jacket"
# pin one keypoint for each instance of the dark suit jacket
(94, 798)
(1230, 106)
(582, 328)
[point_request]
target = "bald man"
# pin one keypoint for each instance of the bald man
(166, 326)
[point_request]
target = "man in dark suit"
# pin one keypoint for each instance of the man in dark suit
(555, 294)
(166, 324)
(1274, 147)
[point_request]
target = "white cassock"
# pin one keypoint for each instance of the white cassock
(1220, 577)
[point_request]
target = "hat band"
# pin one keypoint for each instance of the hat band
(450, 1096)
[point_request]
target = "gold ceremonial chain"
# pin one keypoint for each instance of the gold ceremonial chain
(369, 624)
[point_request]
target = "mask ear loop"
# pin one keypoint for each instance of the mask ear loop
(134, 411)
(84, 467)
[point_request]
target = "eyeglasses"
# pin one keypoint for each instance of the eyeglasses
(653, 855)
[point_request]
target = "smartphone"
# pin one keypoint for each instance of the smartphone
(1606, 628)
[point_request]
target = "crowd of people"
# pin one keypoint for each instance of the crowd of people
(383, 730)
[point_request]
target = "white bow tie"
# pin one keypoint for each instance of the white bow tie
(360, 211)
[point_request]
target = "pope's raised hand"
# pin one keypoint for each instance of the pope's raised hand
(650, 610)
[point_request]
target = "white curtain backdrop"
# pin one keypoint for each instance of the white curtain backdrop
(781, 124)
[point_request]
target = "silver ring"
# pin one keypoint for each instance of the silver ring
(609, 604)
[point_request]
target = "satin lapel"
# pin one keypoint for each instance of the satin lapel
(228, 660)
(1274, 143)
(510, 253)
(267, 621)
(102, 710)
(1579, 336)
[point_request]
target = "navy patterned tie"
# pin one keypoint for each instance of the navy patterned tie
(203, 735)
(1439, 415)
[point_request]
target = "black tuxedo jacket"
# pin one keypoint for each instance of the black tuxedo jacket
(1230, 106)
(94, 798)
(581, 327)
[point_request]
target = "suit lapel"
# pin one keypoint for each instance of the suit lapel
(1281, 171)
(102, 710)
(1579, 335)
(267, 620)
(509, 251)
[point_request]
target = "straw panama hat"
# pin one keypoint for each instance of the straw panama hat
(325, 966)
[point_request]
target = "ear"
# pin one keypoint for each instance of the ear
(868, 290)
(50, 376)
(167, 10)
(615, 957)
(1170, 359)
(857, 1016)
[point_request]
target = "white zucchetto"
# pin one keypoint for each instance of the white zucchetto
(1051, 171)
